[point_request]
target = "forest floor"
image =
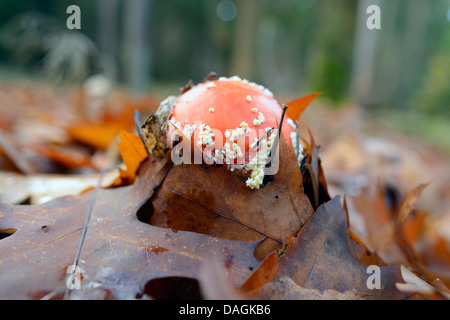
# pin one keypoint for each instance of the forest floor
(357, 148)
(70, 135)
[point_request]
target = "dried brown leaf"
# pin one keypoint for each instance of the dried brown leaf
(120, 253)
(211, 200)
(319, 258)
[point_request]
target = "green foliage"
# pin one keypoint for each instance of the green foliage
(434, 96)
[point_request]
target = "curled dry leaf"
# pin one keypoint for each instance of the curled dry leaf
(133, 153)
(40, 188)
(319, 258)
(413, 284)
(297, 106)
(394, 235)
(153, 128)
(404, 211)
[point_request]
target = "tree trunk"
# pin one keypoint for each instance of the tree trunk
(136, 59)
(365, 45)
(107, 35)
(242, 59)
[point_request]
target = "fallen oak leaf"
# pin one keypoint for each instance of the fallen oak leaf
(211, 200)
(120, 253)
(133, 152)
(214, 283)
(297, 106)
(319, 258)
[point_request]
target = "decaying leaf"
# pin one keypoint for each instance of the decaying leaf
(406, 207)
(121, 254)
(376, 218)
(319, 258)
(154, 127)
(17, 188)
(65, 156)
(211, 200)
(286, 289)
(414, 284)
(214, 283)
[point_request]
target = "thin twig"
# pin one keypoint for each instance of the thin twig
(277, 138)
(269, 132)
(84, 232)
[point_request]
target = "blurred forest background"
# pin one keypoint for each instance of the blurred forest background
(67, 97)
(294, 47)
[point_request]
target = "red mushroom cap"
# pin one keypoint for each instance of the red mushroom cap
(230, 108)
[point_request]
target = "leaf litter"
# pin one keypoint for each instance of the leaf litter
(155, 227)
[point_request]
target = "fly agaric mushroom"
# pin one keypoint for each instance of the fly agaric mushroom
(233, 121)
